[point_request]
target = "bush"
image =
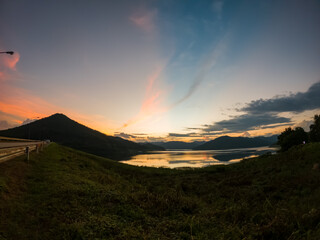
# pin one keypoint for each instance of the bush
(315, 129)
(291, 137)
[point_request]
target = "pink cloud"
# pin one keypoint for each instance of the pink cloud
(144, 20)
(8, 64)
(152, 103)
(10, 61)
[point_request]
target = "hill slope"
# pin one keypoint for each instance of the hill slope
(67, 194)
(226, 142)
(61, 129)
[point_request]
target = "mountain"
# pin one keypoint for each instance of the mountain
(63, 130)
(178, 144)
(152, 147)
(226, 142)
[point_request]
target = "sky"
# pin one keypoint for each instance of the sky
(162, 70)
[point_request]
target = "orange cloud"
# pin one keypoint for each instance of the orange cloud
(20, 103)
(17, 104)
(152, 102)
(23, 104)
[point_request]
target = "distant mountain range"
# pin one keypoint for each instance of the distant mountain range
(226, 142)
(63, 130)
(178, 144)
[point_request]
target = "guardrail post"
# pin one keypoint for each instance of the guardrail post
(27, 153)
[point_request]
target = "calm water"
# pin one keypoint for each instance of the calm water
(190, 158)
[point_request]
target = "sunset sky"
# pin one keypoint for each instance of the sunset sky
(162, 70)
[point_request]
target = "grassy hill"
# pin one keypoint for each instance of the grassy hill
(61, 129)
(68, 194)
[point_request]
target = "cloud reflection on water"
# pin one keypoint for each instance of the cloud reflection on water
(195, 159)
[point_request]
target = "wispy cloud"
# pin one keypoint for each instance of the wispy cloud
(152, 102)
(8, 65)
(209, 62)
(10, 61)
(4, 124)
(144, 19)
(21, 104)
(218, 7)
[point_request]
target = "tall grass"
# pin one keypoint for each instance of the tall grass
(68, 194)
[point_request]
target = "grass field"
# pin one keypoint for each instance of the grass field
(66, 194)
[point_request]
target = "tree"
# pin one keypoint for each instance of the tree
(290, 137)
(315, 129)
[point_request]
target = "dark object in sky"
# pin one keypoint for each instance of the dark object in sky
(63, 130)
(8, 52)
(226, 142)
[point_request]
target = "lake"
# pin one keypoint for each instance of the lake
(193, 158)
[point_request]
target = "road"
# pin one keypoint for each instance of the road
(12, 149)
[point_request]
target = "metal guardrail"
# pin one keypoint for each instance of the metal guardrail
(13, 147)
(16, 139)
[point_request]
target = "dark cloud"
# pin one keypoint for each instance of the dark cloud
(193, 128)
(262, 113)
(124, 135)
(181, 134)
(199, 135)
(276, 125)
(297, 103)
(245, 122)
(138, 137)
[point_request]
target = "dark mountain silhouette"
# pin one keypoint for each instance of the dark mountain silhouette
(63, 130)
(226, 142)
(178, 144)
(152, 147)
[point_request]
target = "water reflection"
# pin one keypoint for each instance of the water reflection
(190, 158)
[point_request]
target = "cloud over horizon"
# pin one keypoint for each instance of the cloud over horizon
(246, 122)
(297, 103)
(263, 113)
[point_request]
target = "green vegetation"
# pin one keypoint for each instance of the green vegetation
(292, 137)
(315, 129)
(67, 194)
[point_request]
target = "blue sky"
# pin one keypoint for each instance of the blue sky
(159, 68)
